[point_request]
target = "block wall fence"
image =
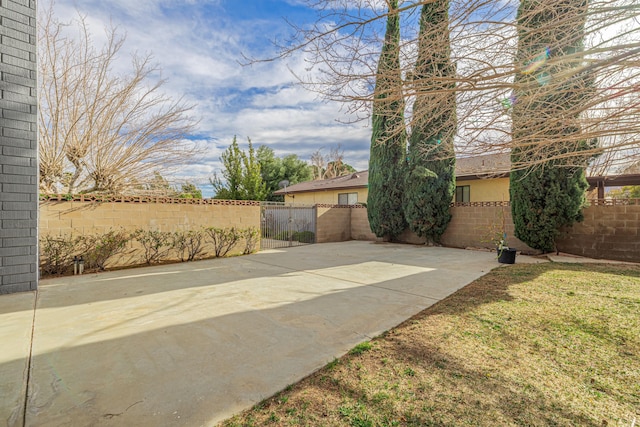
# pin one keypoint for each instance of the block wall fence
(608, 231)
(73, 218)
(19, 156)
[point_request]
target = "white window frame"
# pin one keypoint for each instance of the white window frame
(352, 198)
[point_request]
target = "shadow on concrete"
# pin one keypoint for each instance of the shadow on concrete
(138, 282)
(200, 372)
(513, 401)
(192, 344)
(171, 346)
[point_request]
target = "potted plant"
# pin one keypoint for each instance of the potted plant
(506, 255)
(497, 235)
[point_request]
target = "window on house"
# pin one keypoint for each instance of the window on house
(463, 194)
(347, 198)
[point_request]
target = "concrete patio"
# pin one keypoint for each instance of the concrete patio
(192, 344)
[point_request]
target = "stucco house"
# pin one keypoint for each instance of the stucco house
(479, 179)
(344, 190)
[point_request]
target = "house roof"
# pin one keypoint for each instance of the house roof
(354, 180)
(467, 167)
(487, 165)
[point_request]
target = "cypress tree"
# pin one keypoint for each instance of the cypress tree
(548, 184)
(430, 179)
(388, 139)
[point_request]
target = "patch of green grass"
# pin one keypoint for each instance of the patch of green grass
(546, 344)
(409, 372)
(361, 348)
(332, 365)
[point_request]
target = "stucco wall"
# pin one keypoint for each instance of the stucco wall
(329, 197)
(481, 190)
(487, 190)
(19, 159)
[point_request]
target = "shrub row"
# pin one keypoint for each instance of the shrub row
(57, 253)
(296, 236)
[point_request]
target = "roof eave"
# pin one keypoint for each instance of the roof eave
(315, 190)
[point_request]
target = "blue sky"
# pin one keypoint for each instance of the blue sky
(198, 44)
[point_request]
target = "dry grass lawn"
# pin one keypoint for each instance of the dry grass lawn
(527, 345)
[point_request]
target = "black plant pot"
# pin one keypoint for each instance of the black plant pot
(506, 256)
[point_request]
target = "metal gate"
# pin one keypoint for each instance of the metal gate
(287, 225)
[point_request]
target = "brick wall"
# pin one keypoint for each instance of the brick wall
(19, 175)
(63, 218)
(611, 232)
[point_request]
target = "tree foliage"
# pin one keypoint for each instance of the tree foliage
(429, 184)
(551, 91)
(277, 169)
(626, 192)
(388, 140)
(241, 174)
(157, 186)
(190, 191)
(98, 130)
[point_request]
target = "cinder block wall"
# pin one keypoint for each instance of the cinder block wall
(19, 175)
(61, 218)
(360, 229)
(333, 224)
(86, 218)
(607, 232)
(610, 232)
(477, 226)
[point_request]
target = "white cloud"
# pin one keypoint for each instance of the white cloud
(199, 54)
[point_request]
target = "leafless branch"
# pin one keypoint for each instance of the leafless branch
(99, 130)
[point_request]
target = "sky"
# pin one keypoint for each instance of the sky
(199, 45)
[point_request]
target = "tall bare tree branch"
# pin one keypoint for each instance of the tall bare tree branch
(342, 46)
(99, 130)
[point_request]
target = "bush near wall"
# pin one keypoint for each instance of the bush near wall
(97, 252)
(178, 220)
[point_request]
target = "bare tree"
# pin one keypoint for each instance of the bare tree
(318, 164)
(101, 131)
(331, 165)
(343, 45)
